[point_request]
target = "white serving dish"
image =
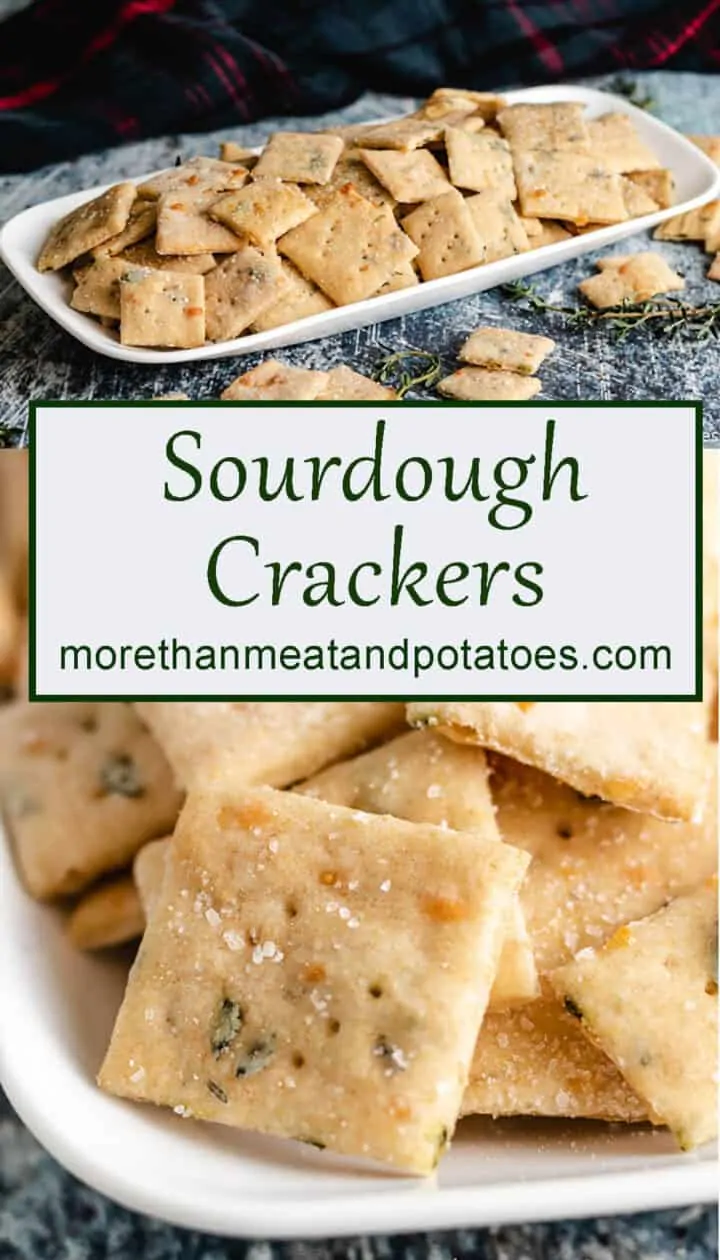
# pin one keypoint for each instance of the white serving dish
(58, 1011)
(696, 180)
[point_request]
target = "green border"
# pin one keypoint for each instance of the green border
(535, 404)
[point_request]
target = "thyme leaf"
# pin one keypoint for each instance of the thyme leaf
(669, 316)
(406, 369)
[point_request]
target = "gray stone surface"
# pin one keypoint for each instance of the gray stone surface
(37, 360)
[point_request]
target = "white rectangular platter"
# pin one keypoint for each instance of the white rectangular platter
(58, 1011)
(696, 181)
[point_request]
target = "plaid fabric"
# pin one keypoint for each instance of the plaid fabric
(76, 76)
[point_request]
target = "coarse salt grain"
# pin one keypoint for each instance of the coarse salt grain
(212, 917)
(138, 1076)
(386, 885)
(233, 940)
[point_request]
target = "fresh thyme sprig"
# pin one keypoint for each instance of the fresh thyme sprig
(672, 317)
(406, 369)
(631, 91)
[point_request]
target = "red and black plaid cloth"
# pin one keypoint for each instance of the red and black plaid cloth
(77, 75)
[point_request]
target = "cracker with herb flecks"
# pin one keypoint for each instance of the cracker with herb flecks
(271, 968)
(91, 224)
(109, 914)
(558, 127)
(184, 226)
(595, 866)
(694, 225)
(413, 175)
(657, 184)
(97, 291)
(349, 248)
(299, 298)
(476, 384)
(299, 157)
(82, 787)
(498, 225)
(648, 998)
(480, 161)
(403, 277)
(446, 235)
(404, 133)
(146, 255)
(264, 210)
(351, 169)
(269, 742)
(162, 309)
(240, 289)
(343, 384)
(630, 278)
(272, 379)
(710, 145)
(568, 186)
(148, 873)
(535, 1061)
(650, 756)
(426, 779)
(506, 350)
(615, 142)
(141, 224)
(637, 200)
(197, 175)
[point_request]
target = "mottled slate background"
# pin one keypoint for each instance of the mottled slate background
(38, 360)
(45, 1214)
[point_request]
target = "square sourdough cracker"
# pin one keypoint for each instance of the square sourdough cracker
(149, 871)
(240, 289)
(709, 145)
(694, 225)
(446, 236)
(595, 866)
(474, 384)
(269, 742)
(646, 755)
(409, 176)
(568, 186)
(299, 157)
(82, 787)
(498, 225)
(145, 255)
(97, 291)
(351, 169)
(183, 226)
(480, 161)
(198, 175)
(657, 184)
(345, 385)
(614, 141)
(141, 224)
(272, 379)
(649, 999)
(558, 127)
(299, 299)
(263, 211)
(504, 349)
(630, 278)
(404, 133)
(535, 1061)
(423, 778)
(349, 248)
(486, 104)
(162, 309)
(403, 277)
(107, 915)
(271, 969)
(90, 225)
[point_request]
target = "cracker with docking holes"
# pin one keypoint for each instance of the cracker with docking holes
(409, 176)
(267, 742)
(82, 787)
(109, 914)
(97, 291)
(648, 998)
(298, 299)
(426, 779)
(263, 210)
(271, 967)
(480, 161)
(650, 756)
(504, 349)
(498, 225)
(91, 224)
(446, 236)
(240, 289)
(570, 186)
(161, 309)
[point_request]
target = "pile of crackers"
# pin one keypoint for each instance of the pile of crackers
(362, 920)
(217, 248)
